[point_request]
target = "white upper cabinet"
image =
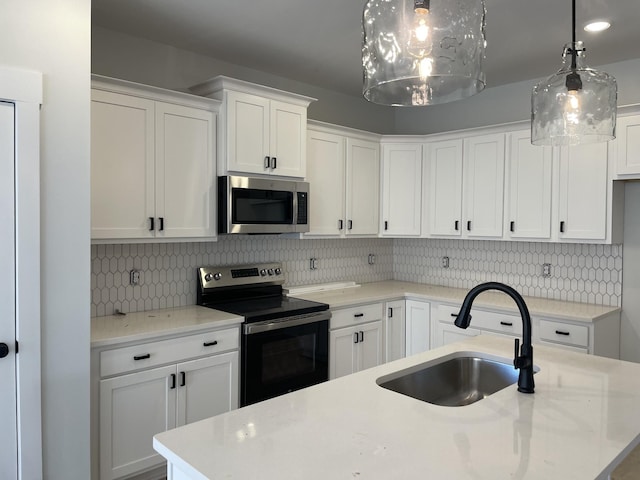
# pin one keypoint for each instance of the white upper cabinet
(343, 172)
(443, 187)
(627, 147)
(262, 130)
(401, 189)
(363, 187)
(152, 163)
(528, 188)
(582, 199)
(483, 186)
(326, 177)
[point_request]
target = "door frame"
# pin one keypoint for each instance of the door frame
(23, 88)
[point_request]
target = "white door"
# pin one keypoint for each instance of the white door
(288, 147)
(8, 426)
(370, 345)
(401, 189)
(394, 332)
(363, 187)
(342, 351)
(445, 188)
(247, 133)
(418, 325)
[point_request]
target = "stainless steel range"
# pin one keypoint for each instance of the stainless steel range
(285, 341)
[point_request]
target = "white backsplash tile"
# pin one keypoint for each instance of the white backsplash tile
(581, 273)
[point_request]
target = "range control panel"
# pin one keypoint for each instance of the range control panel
(227, 276)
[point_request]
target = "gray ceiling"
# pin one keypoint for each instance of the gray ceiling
(319, 41)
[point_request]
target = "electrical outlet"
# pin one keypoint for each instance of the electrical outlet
(371, 259)
(546, 269)
(313, 263)
(445, 262)
(134, 277)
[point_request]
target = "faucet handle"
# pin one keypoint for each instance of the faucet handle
(516, 354)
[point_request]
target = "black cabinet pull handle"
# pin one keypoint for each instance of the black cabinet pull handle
(507, 324)
(183, 379)
(562, 227)
(267, 162)
(455, 315)
(386, 225)
(274, 163)
(390, 312)
(350, 224)
(355, 337)
(469, 225)
(142, 357)
(358, 315)
(512, 226)
(340, 224)
(152, 224)
(560, 332)
(456, 225)
(173, 381)
(161, 224)
(210, 344)
(361, 336)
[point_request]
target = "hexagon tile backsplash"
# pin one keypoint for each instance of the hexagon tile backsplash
(581, 273)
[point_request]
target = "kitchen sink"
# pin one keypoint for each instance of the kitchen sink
(456, 380)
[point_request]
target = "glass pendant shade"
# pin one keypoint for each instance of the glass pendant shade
(575, 105)
(422, 52)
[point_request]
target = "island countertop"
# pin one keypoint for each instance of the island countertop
(580, 423)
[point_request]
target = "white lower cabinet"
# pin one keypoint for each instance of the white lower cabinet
(394, 330)
(418, 323)
(136, 405)
(355, 339)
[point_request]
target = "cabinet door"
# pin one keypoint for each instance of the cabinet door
(583, 192)
(248, 137)
(529, 188)
(401, 189)
(369, 346)
(394, 331)
(325, 174)
(122, 166)
(133, 408)
(185, 172)
(627, 144)
(418, 321)
(445, 188)
(288, 148)
(363, 186)
(342, 351)
(207, 387)
(483, 186)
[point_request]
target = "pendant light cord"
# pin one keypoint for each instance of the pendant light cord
(574, 53)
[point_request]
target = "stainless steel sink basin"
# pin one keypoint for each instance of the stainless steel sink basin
(455, 380)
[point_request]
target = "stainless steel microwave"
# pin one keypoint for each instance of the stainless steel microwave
(262, 205)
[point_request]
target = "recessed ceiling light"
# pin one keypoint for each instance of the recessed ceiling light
(598, 26)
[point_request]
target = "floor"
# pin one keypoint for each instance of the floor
(629, 469)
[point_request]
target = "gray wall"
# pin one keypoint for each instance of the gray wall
(115, 54)
(503, 104)
(53, 37)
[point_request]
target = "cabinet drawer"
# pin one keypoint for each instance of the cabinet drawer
(146, 355)
(566, 333)
(485, 320)
(355, 315)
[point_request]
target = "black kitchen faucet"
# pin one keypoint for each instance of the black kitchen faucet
(523, 358)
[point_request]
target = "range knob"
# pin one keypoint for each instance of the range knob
(263, 272)
(208, 277)
(270, 271)
(217, 276)
(278, 271)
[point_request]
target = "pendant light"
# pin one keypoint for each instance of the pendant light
(422, 52)
(575, 105)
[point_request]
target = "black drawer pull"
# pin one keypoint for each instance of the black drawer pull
(560, 332)
(456, 225)
(454, 315)
(152, 224)
(358, 315)
(183, 379)
(362, 336)
(507, 324)
(561, 227)
(469, 225)
(355, 337)
(210, 344)
(512, 226)
(173, 381)
(142, 357)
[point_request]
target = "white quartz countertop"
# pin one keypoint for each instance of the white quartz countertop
(581, 422)
(140, 326)
(392, 289)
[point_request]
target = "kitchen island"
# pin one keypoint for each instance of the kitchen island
(582, 421)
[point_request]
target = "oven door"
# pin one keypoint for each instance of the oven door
(283, 355)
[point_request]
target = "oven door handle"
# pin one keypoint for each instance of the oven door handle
(277, 324)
